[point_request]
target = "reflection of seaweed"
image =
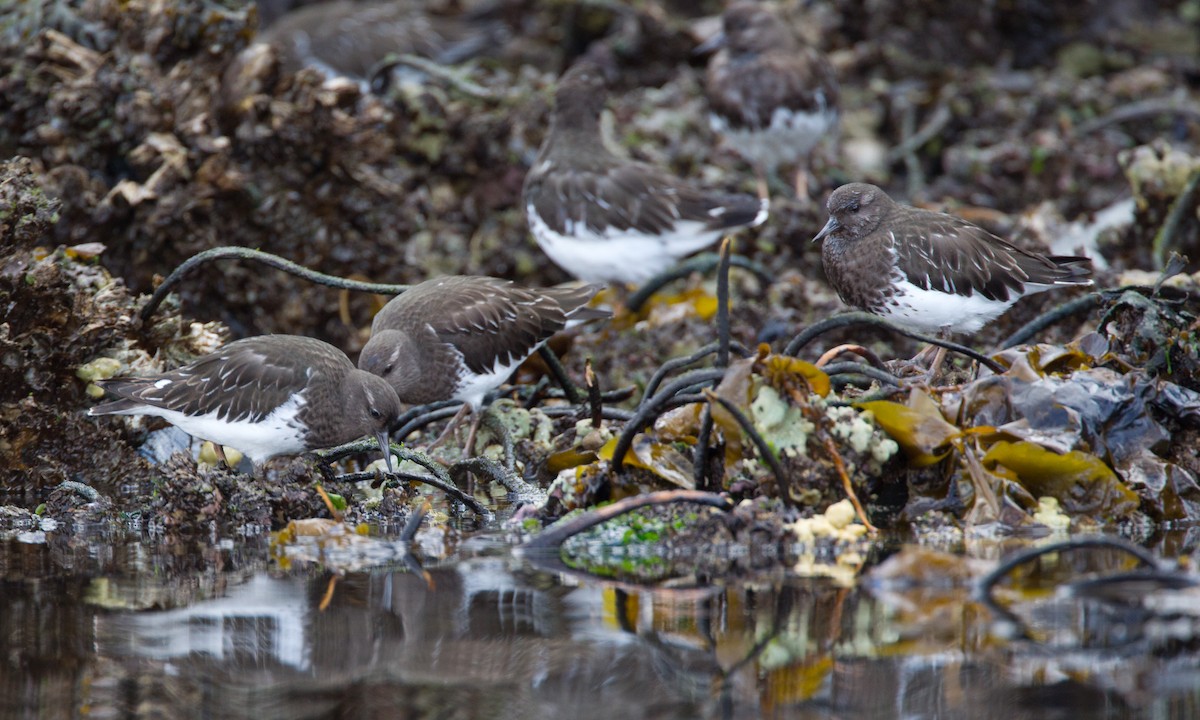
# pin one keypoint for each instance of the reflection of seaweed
(985, 587)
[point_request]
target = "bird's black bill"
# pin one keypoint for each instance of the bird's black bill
(716, 42)
(829, 227)
(386, 447)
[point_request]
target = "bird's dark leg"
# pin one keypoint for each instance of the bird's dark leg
(219, 449)
(800, 184)
(761, 186)
(454, 423)
(470, 448)
(937, 353)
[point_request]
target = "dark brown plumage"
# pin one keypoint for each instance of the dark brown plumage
(459, 337)
(350, 38)
(266, 396)
(605, 218)
(771, 98)
(928, 270)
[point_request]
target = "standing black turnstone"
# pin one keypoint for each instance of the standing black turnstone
(459, 337)
(604, 218)
(926, 270)
(266, 396)
(771, 98)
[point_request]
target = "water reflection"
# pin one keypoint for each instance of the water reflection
(492, 636)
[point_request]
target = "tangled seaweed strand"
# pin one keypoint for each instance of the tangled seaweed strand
(241, 253)
(440, 479)
(764, 449)
(558, 533)
(1183, 208)
(1053, 316)
(843, 369)
(850, 349)
(700, 263)
(419, 410)
(526, 493)
(1175, 265)
(570, 391)
(425, 418)
(651, 408)
(723, 330)
(606, 412)
(700, 456)
(676, 363)
(491, 421)
(608, 396)
(859, 317)
(985, 587)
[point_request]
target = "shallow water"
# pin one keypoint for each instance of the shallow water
(217, 628)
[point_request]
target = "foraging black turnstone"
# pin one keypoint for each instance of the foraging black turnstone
(926, 270)
(771, 97)
(459, 337)
(604, 218)
(266, 396)
(350, 39)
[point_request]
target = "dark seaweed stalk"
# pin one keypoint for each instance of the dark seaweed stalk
(419, 410)
(650, 409)
(723, 306)
(675, 363)
(491, 420)
(764, 449)
(853, 368)
(608, 413)
(700, 263)
(440, 479)
(1175, 264)
(241, 253)
(1053, 316)
(426, 418)
(526, 493)
(859, 317)
(556, 534)
(700, 456)
(560, 375)
(445, 485)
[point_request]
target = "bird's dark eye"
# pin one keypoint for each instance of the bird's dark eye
(376, 414)
(388, 370)
(853, 207)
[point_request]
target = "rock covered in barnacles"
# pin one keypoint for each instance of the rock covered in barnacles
(70, 323)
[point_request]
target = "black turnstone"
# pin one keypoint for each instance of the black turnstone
(346, 38)
(609, 219)
(771, 97)
(266, 396)
(459, 337)
(926, 270)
